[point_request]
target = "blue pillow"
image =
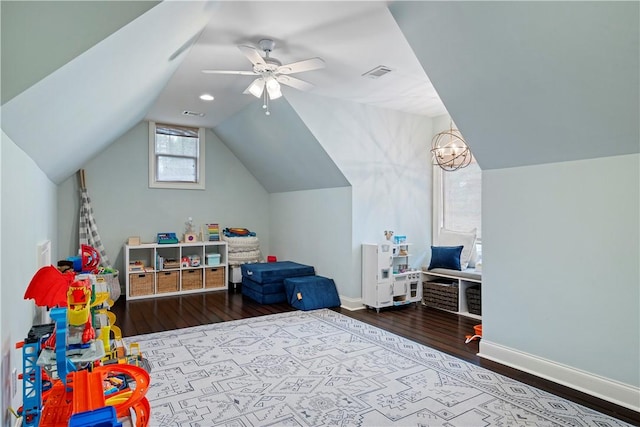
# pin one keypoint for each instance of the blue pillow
(445, 257)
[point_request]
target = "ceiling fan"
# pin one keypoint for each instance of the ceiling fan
(271, 72)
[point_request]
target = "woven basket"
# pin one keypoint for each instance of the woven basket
(140, 284)
(474, 300)
(167, 281)
(214, 277)
(191, 279)
(440, 295)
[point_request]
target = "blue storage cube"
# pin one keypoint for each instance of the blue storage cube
(311, 292)
(271, 272)
(271, 293)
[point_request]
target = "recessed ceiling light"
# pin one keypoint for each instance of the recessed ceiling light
(206, 97)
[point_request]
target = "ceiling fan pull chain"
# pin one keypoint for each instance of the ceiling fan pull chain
(265, 105)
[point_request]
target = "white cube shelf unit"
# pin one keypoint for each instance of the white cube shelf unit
(456, 282)
(155, 270)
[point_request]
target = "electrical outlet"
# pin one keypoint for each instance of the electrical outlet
(14, 382)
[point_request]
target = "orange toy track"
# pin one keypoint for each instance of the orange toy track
(87, 395)
(143, 412)
(135, 397)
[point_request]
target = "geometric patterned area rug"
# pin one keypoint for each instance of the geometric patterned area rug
(321, 368)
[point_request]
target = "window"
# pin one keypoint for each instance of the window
(457, 199)
(176, 157)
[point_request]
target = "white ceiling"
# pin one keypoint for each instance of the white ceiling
(351, 37)
(526, 82)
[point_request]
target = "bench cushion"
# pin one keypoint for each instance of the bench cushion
(469, 273)
(311, 292)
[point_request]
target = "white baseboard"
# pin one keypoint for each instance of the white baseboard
(600, 387)
(351, 304)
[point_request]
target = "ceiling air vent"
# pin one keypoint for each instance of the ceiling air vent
(192, 113)
(377, 72)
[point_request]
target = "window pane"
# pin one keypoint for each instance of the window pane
(462, 194)
(176, 145)
(176, 169)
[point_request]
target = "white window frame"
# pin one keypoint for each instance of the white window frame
(153, 183)
(437, 206)
(437, 213)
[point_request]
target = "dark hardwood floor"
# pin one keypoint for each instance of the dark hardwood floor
(435, 328)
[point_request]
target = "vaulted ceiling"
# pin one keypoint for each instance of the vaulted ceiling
(526, 82)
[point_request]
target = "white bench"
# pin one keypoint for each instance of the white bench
(464, 279)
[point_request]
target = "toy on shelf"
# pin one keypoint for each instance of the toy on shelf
(194, 260)
(190, 231)
(213, 232)
(167, 238)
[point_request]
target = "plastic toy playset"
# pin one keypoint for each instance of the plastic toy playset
(74, 373)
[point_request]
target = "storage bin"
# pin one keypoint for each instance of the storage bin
(214, 277)
(167, 281)
(474, 301)
(443, 295)
(191, 279)
(213, 259)
(141, 284)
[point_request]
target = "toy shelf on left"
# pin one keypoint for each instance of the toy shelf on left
(161, 269)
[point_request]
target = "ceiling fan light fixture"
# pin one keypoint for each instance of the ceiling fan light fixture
(256, 88)
(271, 73)
(273, 88)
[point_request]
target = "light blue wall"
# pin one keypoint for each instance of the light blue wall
(314, 227)
(53, 33)
(560, 263)
(124, 205)
(279, 149)
(385, 156)
(28, 218)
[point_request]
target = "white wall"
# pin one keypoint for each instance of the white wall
(385, 156)
(124, 205)
(561, 278)
(314, 227)
(28, 218)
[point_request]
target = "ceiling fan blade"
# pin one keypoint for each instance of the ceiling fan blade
(294, 82)
(237, 73)
(300, 66)
(252, 54)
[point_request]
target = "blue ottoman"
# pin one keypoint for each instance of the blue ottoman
(263, 282)
(311, 292)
